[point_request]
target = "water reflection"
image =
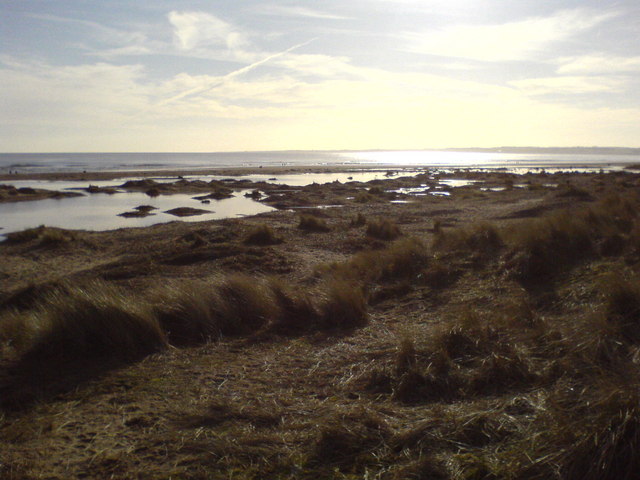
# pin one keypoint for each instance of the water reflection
(100, 212)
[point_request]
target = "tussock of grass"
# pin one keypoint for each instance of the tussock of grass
(185, 312)
(342, 306)
(262, 235)
(404, 258)
(46, 236)
(358, 221)
(311, 223)
(246, 304)
(479, 238)
(297, 310)
(197, 312)
(94, 322)
(383, 229)
(538, 248)
(347, 442)
(364, 197)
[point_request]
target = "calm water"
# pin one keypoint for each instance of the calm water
(100, 211)
(47, 162)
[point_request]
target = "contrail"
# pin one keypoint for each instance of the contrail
(221, 80)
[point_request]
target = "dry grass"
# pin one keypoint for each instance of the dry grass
(482, 238)
(403, 259)
(383, 229)
(262, 235)
(484, 382)
(96, 321)
(46, 236)
(342, 305)
(311, 223)
(358, 221)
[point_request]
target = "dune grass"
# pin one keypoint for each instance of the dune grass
(46, 236)
(77, 332)
(262, 235)
(383, 229)
(403, 258)
(311, 223)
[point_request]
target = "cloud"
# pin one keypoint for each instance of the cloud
(200, 29)
(296, 11)
(569, 85)
(514, 41)
(598, 64)
(218, 81)
(38, 93)
(104, 34)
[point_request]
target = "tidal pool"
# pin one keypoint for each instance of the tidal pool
(100, 211)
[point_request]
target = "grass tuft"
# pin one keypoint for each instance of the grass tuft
(342, 305)
(383, 229)
(46, 236)
(262, 235)
(311, 223)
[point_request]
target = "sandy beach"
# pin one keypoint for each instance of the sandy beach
(368, 332)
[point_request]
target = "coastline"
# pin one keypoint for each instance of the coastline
(176, 172)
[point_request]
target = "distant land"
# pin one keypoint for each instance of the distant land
(554, 150)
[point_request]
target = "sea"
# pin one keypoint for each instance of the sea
(78, 162)
(104, 212)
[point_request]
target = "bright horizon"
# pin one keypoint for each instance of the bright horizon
(189, 76)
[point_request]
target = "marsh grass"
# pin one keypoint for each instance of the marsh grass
(358, 221)
(311, 223)
(349, 441)
(94, 322)
(262, 235)
(46, 236)
(78, 331)
(185, 312)
(383, 229)
(482, 238)
(342, 305)
(515, 395)
(402, 259)
(539, 248)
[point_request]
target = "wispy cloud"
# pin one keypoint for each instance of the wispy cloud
(107, 35)
(296, 11)
(598, 64)
(513, 41)
(200, 29)
(569, 85)
(217, 81)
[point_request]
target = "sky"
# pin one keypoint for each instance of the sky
(246, 75)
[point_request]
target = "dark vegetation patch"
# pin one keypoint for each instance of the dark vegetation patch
(383, 229)
(43, 236)
(312, 223)
(77, 333)
(262, 235)
(187, 211)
